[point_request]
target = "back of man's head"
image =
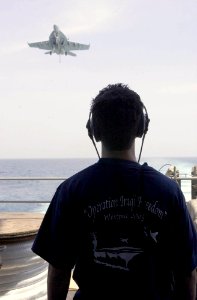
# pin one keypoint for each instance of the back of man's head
(117, 114)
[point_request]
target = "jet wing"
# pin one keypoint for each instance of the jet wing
(76, 46)
(41, 45)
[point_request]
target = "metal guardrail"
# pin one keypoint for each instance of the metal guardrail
(23, 201)
(26, 179)
(178, 179)
(32, 178)
(181, 177)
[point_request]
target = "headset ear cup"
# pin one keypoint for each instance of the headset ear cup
(92, 132)
(88, 126)
(146, 123)
(141, 126)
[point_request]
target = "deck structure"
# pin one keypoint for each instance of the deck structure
(23, 274)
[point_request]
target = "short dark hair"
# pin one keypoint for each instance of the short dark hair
(116, 113)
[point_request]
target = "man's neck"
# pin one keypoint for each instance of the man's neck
(123, 154)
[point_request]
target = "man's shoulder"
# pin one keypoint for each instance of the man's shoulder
(83, 174)
(157, 179)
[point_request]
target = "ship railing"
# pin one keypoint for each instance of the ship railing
(178, 178)
(32, 178)
(26, 178)
(25, 201)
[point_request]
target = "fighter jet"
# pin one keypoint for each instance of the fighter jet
(59, 44)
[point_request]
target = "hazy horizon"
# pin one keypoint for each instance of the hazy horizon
(93, 157)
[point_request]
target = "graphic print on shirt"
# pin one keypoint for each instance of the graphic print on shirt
(125, 236)
(124, 208)
(117, 257)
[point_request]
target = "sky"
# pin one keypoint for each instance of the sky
(150, 45)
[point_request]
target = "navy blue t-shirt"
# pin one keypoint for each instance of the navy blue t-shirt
(124, 228)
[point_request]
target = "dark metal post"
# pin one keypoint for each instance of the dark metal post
(194, 182)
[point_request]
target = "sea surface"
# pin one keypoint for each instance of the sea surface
(43, 190)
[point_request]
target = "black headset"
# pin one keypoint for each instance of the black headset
(91, 133)
(141, 131)
(143, 127)
(143, 122)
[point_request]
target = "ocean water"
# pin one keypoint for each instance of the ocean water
(43, 190)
